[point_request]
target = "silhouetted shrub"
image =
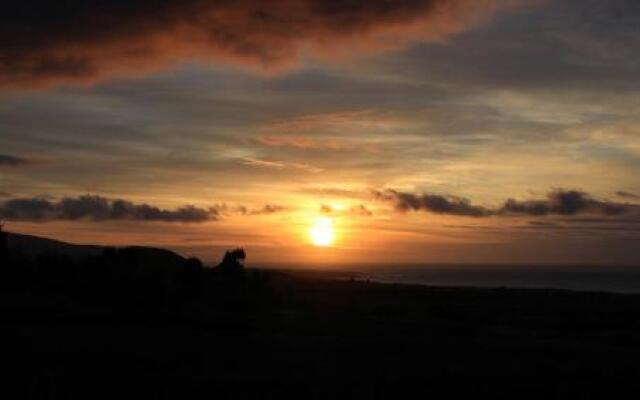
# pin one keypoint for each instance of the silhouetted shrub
(231, 260)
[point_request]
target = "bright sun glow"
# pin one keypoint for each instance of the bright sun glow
(321, 232)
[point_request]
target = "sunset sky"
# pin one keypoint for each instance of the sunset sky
(484, 131)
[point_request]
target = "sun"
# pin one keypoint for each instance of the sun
(321, 233)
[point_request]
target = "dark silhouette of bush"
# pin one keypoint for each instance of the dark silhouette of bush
(231, 261)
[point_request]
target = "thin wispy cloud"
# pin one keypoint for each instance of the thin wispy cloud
(357, 210)
(280, 165)
(303, 142)
(361, 210)
(627, 195)
(267, 209)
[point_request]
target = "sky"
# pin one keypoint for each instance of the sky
(487, 131)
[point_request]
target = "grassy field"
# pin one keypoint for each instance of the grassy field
(272, 334)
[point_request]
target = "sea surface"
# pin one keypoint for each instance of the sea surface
(620, 279)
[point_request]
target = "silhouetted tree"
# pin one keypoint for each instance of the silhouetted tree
(231, 261)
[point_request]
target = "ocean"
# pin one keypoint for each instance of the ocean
(587, 278)
(619, 279)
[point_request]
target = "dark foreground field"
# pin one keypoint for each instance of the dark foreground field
(282, 335)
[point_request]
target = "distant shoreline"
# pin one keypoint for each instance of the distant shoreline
(619, 280)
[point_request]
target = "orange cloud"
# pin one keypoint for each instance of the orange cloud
(44, 43)
(336, 122)
(280, 165)
(302, 142)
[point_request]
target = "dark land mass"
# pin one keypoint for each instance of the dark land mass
(146, 323)
(34, 246)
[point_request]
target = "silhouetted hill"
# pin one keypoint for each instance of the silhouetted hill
(153, 256)
(33, 246)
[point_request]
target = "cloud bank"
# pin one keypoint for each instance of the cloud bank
(44, 42)
(435, 203)
(564, 202)
(558, 202)
(98, 208)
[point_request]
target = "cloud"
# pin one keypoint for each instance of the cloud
(98, 208)
(563, 202)
(44, 42)
(12, 161)
(558, 202)
(361, 210)
(222, 209)
(302, 142)
(280, 165)
(627, 195)
(435, 203)
(331, 130)
(337, 192)
(355, 210)
(267, 209)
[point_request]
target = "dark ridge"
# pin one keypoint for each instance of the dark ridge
(35, 245)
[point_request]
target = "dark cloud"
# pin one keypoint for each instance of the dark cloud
(558, 202)
(563, 202)
(44, 42)
(267, 209)
(12, 161)
(627, 195)
(567, 46)
(98, 208)
(358, 210)
(361, 210)
(434, 203)
(244, 210)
